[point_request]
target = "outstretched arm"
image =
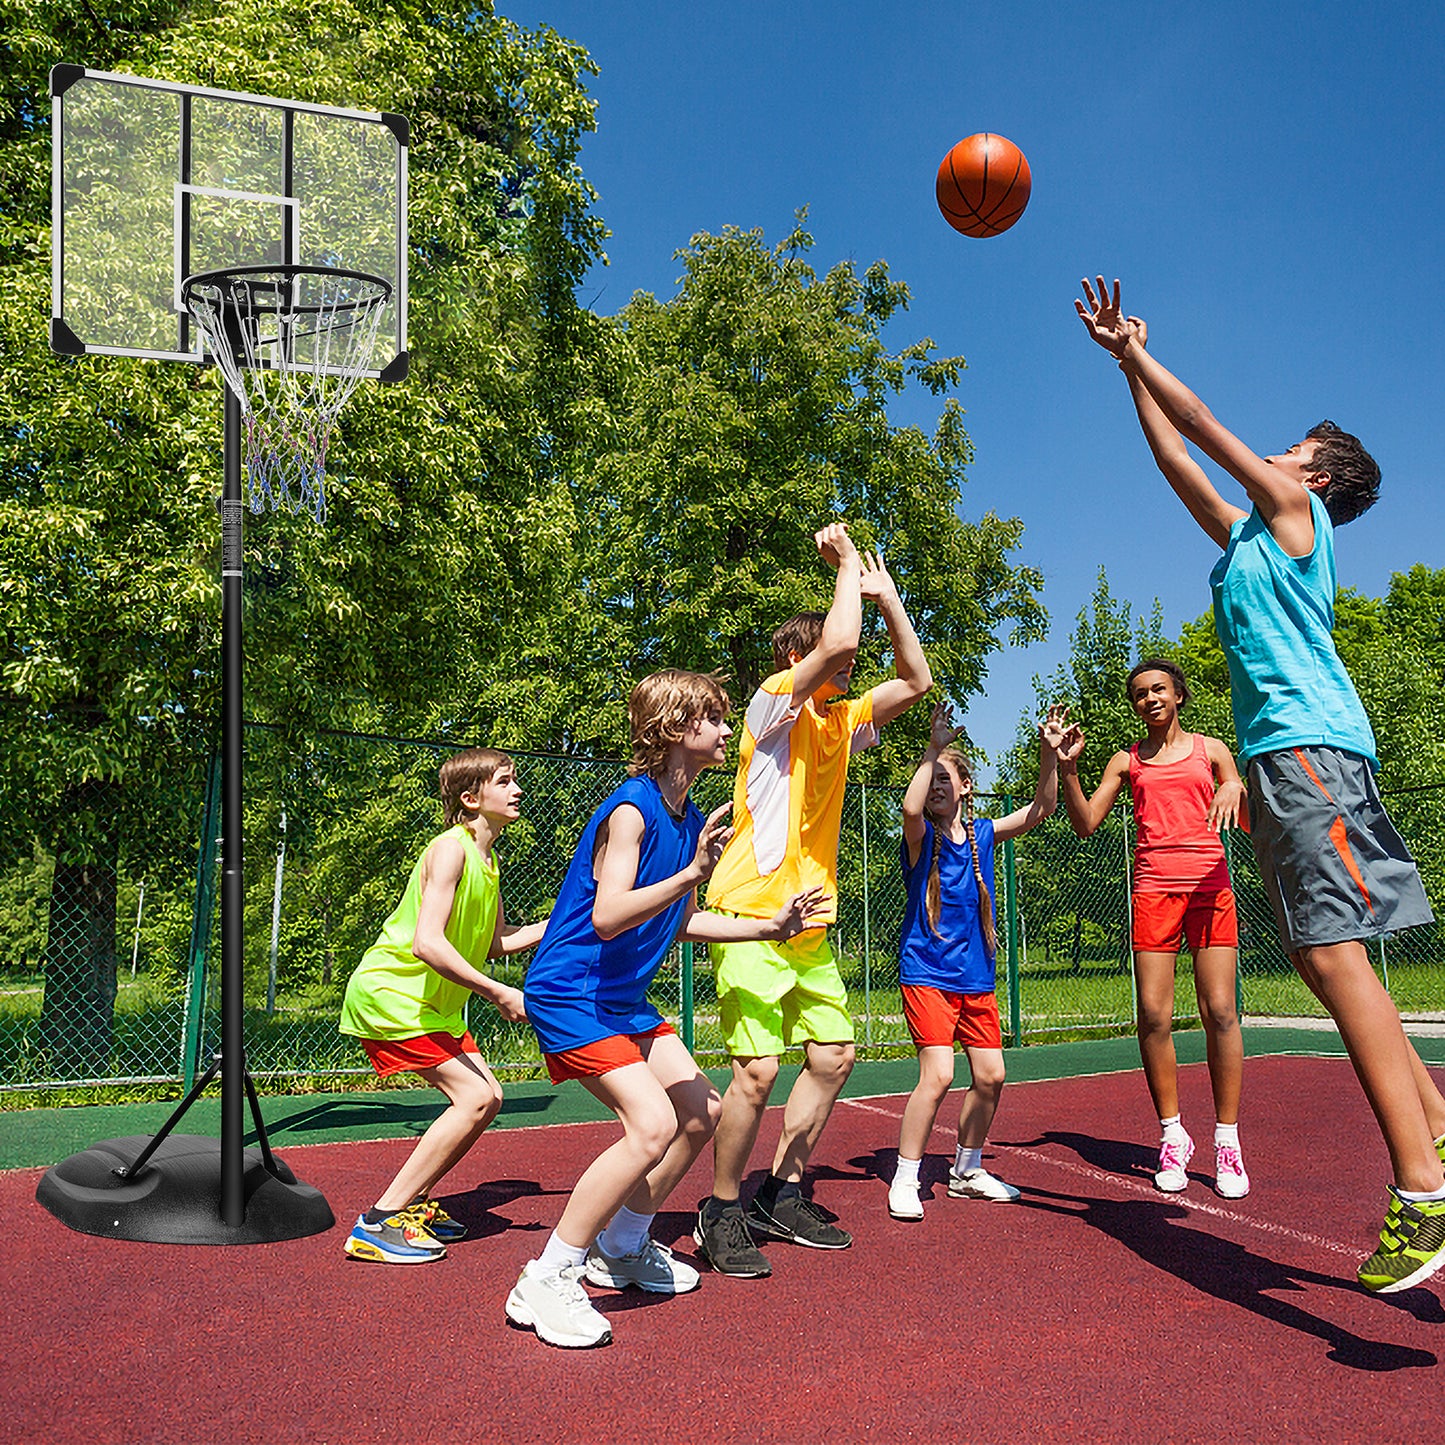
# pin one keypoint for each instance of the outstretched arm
(1282, 502)
(913, 675)
(838, 644)
(1046, 794)
(915, 797)
(1087, 813)
(808, 909)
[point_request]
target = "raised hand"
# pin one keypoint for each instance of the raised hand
(801, 911)
(1104, 318)
(942, 729)
(834, 544)
(875, 582)
(712, 840)
(1071, 745)
(1055, 726)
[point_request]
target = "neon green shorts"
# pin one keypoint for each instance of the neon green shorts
(774, 995)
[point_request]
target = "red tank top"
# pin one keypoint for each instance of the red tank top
(1176, 850)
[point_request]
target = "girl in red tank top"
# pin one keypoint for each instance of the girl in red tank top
(1185, 788)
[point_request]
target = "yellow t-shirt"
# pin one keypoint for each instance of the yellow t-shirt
(788, 799)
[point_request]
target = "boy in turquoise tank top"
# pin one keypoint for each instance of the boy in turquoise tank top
(1336, 870)
(407, 1000)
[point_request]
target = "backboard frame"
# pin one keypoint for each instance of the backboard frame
(291, 239)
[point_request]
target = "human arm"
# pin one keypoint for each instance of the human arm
(1230, 805)
(515, 938)
(1085, 814)
(620, 904)
(838, 644)
(913, 677)
(802, 910)
(1046, 794)
(441, 872)
(915, 796)
(1282, 502)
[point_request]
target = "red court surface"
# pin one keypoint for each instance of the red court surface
(1094, 1310)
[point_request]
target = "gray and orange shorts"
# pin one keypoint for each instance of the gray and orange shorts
(1334, 866)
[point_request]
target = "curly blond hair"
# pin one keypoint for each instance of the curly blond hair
(662, 707)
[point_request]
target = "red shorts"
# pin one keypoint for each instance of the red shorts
(398, 1056)
(938, 1019)
(1165, 921)
(591, 1061)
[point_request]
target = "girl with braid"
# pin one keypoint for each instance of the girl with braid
(946, 963)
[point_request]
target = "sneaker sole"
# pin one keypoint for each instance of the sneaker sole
(984, 1198)
(374, 1254)
(604, 1280)
(906, 1218)
(1171, 1188)
(1424, 1272)
(764, 1273)
(1231, 1193)
(519, 1315)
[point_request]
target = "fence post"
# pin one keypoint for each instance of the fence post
(867, 934)
(201, 926)
(687, 979)
(1011, 933)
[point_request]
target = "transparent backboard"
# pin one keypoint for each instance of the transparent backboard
(154, 182)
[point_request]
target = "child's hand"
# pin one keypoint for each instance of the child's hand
(942, 729)
(1054, 727)
(802, 910)
(1071, 745)
(510, 1004)
(712, 840)
(876, 582)
(834, 544)
(1105, 321)
(1227, 806)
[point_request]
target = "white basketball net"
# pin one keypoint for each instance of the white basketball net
(291, 342)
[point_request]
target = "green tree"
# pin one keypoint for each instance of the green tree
(746, 411)
(109, 468)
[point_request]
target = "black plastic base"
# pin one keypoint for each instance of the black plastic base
(176, 1198)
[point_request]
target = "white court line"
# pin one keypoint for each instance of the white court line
(1133, 1186)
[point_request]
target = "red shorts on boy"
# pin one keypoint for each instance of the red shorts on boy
(1164, 922)
(400, 1056)
(938, 1019)
(591, 1061)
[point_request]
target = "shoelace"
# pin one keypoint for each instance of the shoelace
(735, 1230)
(1172, 1156)
(1228, 1160)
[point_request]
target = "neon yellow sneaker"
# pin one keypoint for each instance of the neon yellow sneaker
(1412, 1245)
(436, 1221)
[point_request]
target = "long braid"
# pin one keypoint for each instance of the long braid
(932, 899)
(985, 898)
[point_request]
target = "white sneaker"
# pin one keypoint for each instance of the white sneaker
(653, 1268)
(980, 1184)
(903, 1201)
(1230, 1180)
(1171, 1178)
(557, 1308)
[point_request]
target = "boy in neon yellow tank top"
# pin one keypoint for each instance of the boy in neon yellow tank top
(406, 1001)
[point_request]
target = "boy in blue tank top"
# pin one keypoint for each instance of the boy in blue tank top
(630, 891)
(1336, 871)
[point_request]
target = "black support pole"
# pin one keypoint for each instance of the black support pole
(233, 1055)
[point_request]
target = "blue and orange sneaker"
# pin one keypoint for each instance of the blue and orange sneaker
(436, 1221)
(398, 1239)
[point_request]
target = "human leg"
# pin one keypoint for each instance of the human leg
(982, 1040)
(1214, 987)
(1154, 991)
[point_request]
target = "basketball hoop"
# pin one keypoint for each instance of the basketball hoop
(292, 342)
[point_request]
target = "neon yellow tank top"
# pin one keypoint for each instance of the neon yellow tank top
(393, 994)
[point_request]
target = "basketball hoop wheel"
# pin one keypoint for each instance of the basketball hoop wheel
(291, 342)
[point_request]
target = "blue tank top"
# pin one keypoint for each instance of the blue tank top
(955, 958)
(580, 987)
(1275, 616)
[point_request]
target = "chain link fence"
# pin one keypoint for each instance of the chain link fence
(109, 930)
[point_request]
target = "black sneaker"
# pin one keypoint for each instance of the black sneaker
(723, 1240)
(798, 1220)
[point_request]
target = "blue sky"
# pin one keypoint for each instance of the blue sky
(1267, 180)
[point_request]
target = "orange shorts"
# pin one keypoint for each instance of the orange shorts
(937, 1018)
(1163, 922)
(398, 1056)
(591, 1061)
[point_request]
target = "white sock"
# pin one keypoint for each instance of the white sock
(965, 1161)
(1416, 1198)
(907, 1171)
(558, 1253)
(625, 1232)
(1172, 1130)
(1226, 1134)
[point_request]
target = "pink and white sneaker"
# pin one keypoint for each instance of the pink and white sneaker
(1173, 1157)
(1230, 1180)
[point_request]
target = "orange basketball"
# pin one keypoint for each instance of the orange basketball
(983, 185)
